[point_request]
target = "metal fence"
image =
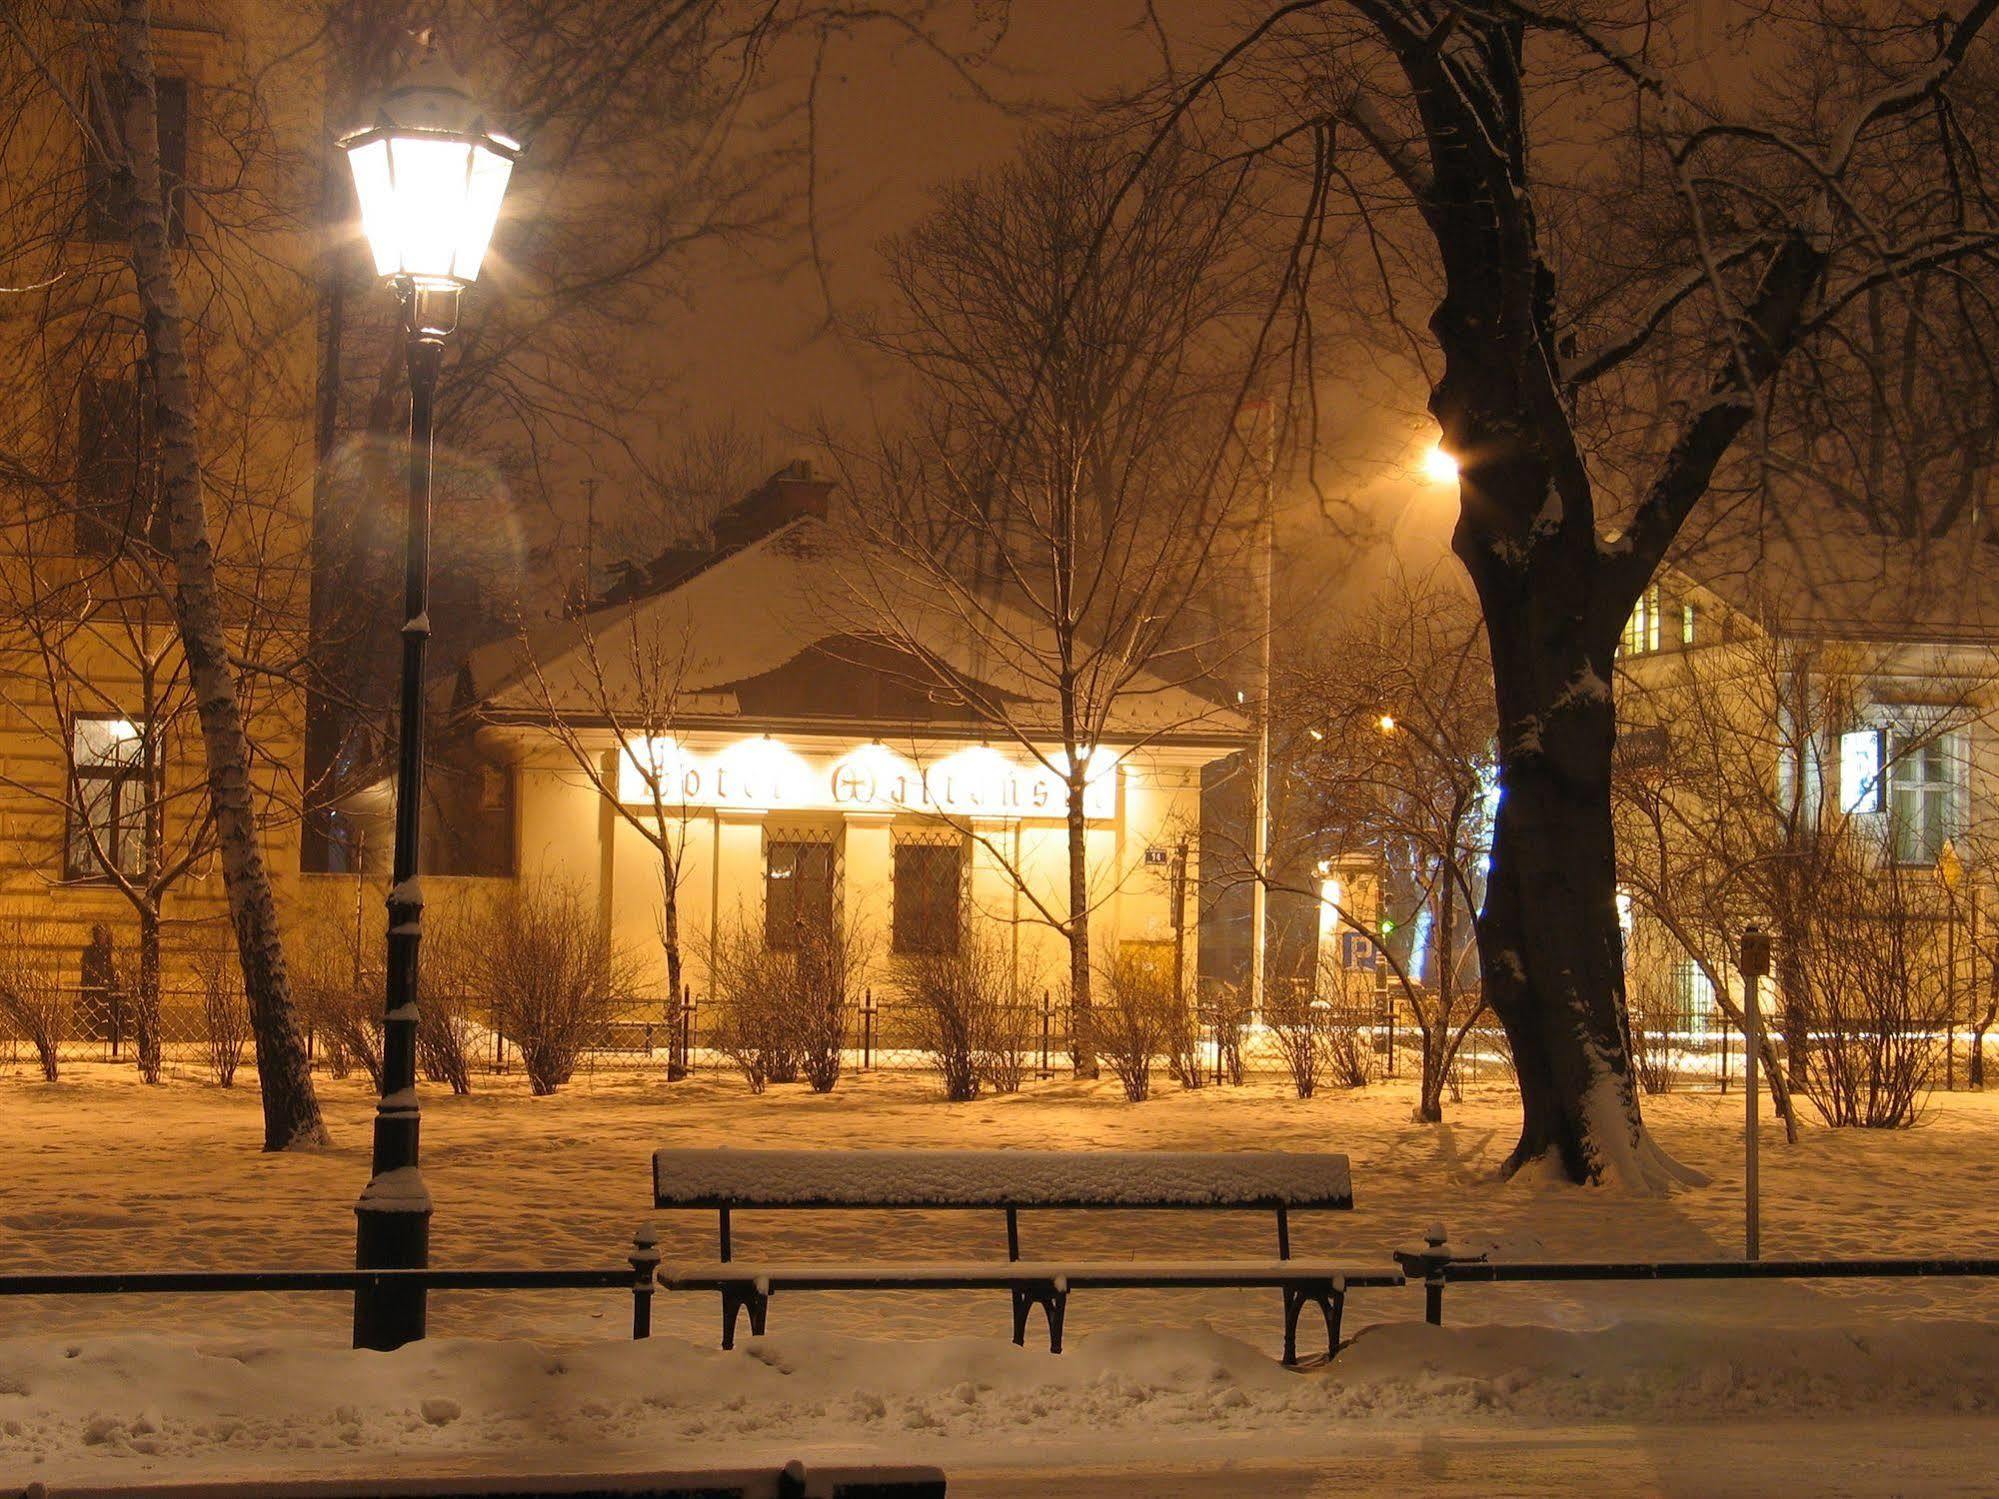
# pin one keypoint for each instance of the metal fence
(882, 1029)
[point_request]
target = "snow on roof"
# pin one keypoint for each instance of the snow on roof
(1842, 582)
(760, 607)
(1000, 1178)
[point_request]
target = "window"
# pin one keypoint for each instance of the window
(117, 473)
(1922, 797)
(798, 891)
(1860, 771)
(1641, 631)
(104, 214)
(109, 759)
(929, 876)
(1687, 622)
(1693, 998)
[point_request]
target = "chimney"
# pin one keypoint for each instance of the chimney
(790, 494)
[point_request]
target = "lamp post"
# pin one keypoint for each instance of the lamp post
(429, 175)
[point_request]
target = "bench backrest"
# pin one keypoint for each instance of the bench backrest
(1147, 1179)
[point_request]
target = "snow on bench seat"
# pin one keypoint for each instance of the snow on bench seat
(999, 1178)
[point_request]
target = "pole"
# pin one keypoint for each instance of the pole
(1260, 831)
(1755, 963)
(392, 1219)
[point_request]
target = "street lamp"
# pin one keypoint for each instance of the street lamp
(429, 175)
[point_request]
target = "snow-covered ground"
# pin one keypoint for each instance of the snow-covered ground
(1864, 1387)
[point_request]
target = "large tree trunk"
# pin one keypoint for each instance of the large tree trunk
(291, 1109)
(146, 998)
(1548, 938)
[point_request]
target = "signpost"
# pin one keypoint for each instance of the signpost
(1755, 963)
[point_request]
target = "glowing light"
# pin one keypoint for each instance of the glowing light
(1330, 894)
(1315, 733)
(1386, 723)
(1438, 466)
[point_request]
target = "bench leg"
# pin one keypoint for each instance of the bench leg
(1331, 1301)
(756, 1303)
(1053, 1303)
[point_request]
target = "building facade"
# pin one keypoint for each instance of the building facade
(736, 727)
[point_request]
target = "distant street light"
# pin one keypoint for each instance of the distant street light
(429, 175)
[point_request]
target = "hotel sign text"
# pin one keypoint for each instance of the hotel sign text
(765, 775)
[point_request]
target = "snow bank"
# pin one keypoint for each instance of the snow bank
(136, 1405)
(995, 1178)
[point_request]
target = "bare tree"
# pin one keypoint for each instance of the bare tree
(1072, 480)
(1807, 786)
(126, 230)
(1666, 240)
(1390, 733)
(612, 697)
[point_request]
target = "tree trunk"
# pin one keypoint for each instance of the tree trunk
(669, 930)
(146, 998)
(1430, 1092)
(291, 1109)
(1974, 1075)
(1548, 939)
(1082, 1042)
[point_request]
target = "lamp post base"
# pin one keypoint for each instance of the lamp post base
(392, 1232)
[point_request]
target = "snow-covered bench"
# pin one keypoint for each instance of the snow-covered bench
(1013, 1181)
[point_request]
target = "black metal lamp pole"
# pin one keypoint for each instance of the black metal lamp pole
(393, 1215)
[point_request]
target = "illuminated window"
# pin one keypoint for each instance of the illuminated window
(1641, 631)
(1693, 998)
(108, 810)
(1687, 622)
(929, 877)
(1860, 771)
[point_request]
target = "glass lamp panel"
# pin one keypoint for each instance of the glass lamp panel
(486, 184)
(430, 179)
(376, 191)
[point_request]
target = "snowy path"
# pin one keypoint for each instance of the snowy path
(1632, 1388)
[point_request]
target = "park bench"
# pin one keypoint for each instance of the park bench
(1013, 1182)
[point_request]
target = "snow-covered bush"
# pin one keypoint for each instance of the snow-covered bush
(1223, 1012)
(962, 1014)
(552, 975)
(1139, 1017)
(783, 1011)
(1872, 995)
(445, 1030)
(225, 1013)
(31, 995)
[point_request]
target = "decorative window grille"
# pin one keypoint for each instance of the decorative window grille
(930, 872)
(801, 887)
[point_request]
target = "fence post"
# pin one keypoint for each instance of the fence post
(1755, 962)
(645, 1265)
(1431, 1262)
(1047, 1022)
(867, 1027)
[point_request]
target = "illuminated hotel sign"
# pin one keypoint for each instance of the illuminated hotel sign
(765, 776)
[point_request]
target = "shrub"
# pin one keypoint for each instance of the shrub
(552, 975)
(1873, 997)
(1222, 1011)
(224, 1010)
(1298, 1026)
(445, 1032)
(962, 1015)
(784, 1011)
(1137, 1018)
(32, 997)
